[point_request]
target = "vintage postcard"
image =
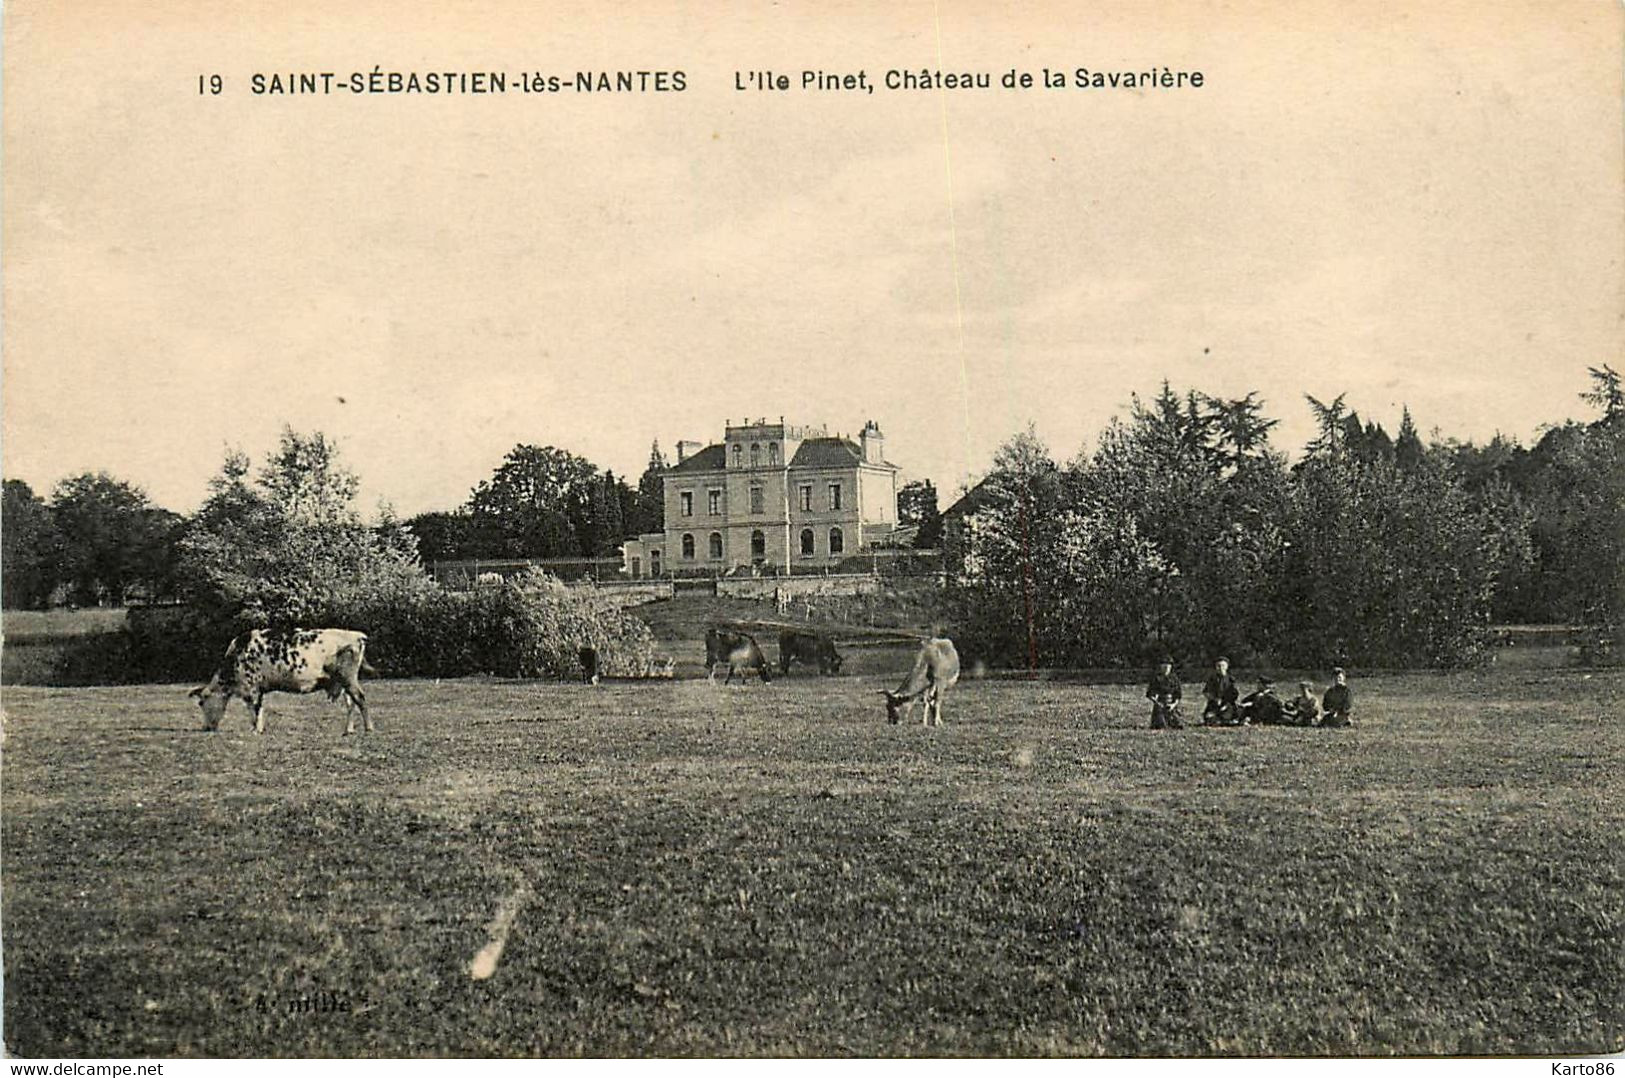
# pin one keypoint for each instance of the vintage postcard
(791, 529)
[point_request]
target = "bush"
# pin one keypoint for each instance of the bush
(531, 626)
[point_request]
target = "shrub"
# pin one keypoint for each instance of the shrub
(531, 626)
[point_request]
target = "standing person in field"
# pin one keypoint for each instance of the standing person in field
(1338, 701)
(1220, 690)
(1304, 709)
(1164, 692)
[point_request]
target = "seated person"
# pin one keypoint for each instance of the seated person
(1338, 701)
(1262, 706)
(1303, 709)
(1220, 690)
(1164, 692)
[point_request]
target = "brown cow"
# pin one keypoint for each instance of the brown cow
(936, 668)
(738, 650)
(808, 647)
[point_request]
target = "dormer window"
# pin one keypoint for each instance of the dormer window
(739, 455)
(773, 453)
(755, 455)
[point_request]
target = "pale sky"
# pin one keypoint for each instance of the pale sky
(1414, 203)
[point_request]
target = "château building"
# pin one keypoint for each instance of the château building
(770, 494)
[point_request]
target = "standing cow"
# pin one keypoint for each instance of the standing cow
(809, 648)
(936, 668)
(738, 650)
(296, 660)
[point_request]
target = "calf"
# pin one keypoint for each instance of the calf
(808, 647)
(298, 660)
(936, 668)
(738, 650)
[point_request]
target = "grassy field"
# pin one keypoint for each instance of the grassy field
(25, 626)
(676, 868)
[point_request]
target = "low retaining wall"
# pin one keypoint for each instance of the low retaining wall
(636, 592)
(786, 588)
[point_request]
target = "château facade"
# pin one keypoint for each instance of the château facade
(770, 494)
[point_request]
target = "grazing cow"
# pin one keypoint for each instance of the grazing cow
(589, 664)
(298, 660)
(738, 650)
(936, 668)
(809, 648)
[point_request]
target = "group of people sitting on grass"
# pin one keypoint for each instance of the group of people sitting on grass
(1226, 707)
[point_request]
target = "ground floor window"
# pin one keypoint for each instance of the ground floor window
(716, 544)
(837, 542)
(688, 546)
(806, 542)
(758, 545)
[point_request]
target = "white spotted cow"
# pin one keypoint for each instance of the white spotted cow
(299, 660)
(936, 668)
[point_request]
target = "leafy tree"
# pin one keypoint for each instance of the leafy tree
(287, 545)
(539, 503)
(1408, 449)
(111, 539)
(28, 571)
(1332, 420)
(1184, 530)
(1608, 393)
(1007, 540)
(443, 536)
(1243, 432)
(917, 505)
(651, 514)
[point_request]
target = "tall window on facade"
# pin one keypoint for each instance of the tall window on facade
(806, 498)
(686, 499)
(688, 546)
(835, 495)
(755, 455)
(739, 455)
(806, 543)
(716, 544)
(758, 545)
(714, 503)
(773, 452)
(756, 500)
(837, 542)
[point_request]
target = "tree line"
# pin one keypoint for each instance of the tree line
(1184, 530)
(99, 540)
(545, 502)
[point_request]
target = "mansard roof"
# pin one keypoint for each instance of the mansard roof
(713, 458)
(831, 453)
(812, 453)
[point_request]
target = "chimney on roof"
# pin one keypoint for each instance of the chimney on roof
(871, 440)
(686, 449)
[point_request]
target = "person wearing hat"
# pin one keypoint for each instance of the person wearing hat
(1262, 706)
(1338, 701)
(1220, 690)
(1164, 692)
(1304, 709)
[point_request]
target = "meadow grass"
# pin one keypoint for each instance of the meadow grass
(59, 624)
(674, 868)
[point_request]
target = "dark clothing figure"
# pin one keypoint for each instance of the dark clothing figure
(589, 665)
(1303, 710)
(1220, 690)
(1164, 692)
(1264, 707)
(1337, 703)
